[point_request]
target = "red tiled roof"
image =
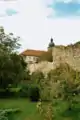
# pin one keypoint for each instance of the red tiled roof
(36, 53)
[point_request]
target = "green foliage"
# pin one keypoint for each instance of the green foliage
(62, 83)
(36, 77)
(28, 108)
(13, 68)
(10, 93)
(66, 79)
(8, 42)
(62, 88)
(5, 114)
(77, 44)
(34, 93)
(24, 91)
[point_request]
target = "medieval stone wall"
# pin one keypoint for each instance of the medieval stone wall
(44, 67)
(70, 55)
(61, 54)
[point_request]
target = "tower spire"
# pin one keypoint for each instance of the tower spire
(51, 44)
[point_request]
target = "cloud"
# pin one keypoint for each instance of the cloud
(65, 8)
(10, 12)
(35, 28)
(65, 1)
(8, 8)
(68, 1)
(29, 24)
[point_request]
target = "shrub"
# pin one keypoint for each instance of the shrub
(7, 93)
(14, 92)
(34, 93)
(36, 77)
(61, 82)
(24, 91)
(7, 114)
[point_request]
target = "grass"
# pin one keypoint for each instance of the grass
(28, 109)
(62, 112)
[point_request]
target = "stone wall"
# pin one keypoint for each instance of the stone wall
(68, 54)
(45, 67)
(61, 54)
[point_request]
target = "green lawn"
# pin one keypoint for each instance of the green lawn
(28, 109)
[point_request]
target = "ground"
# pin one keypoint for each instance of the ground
(28, 109)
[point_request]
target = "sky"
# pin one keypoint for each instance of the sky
(36, 21)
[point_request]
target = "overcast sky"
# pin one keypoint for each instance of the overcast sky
(36, 21)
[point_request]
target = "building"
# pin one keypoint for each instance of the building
(32, 56)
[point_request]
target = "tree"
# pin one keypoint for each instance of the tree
(13, 68)
(8, 42)
(61, 83)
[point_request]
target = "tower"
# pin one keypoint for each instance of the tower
(51, 44)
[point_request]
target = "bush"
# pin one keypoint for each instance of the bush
(7, 93)
(36, 77)
(8, 114)
(24, 91)
(15, 92)
(34, 93)
(62, 82)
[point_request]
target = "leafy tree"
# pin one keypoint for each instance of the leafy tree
(13, 68)
(67, 80)
(8, 42)
(62, 82)
(62, 88)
